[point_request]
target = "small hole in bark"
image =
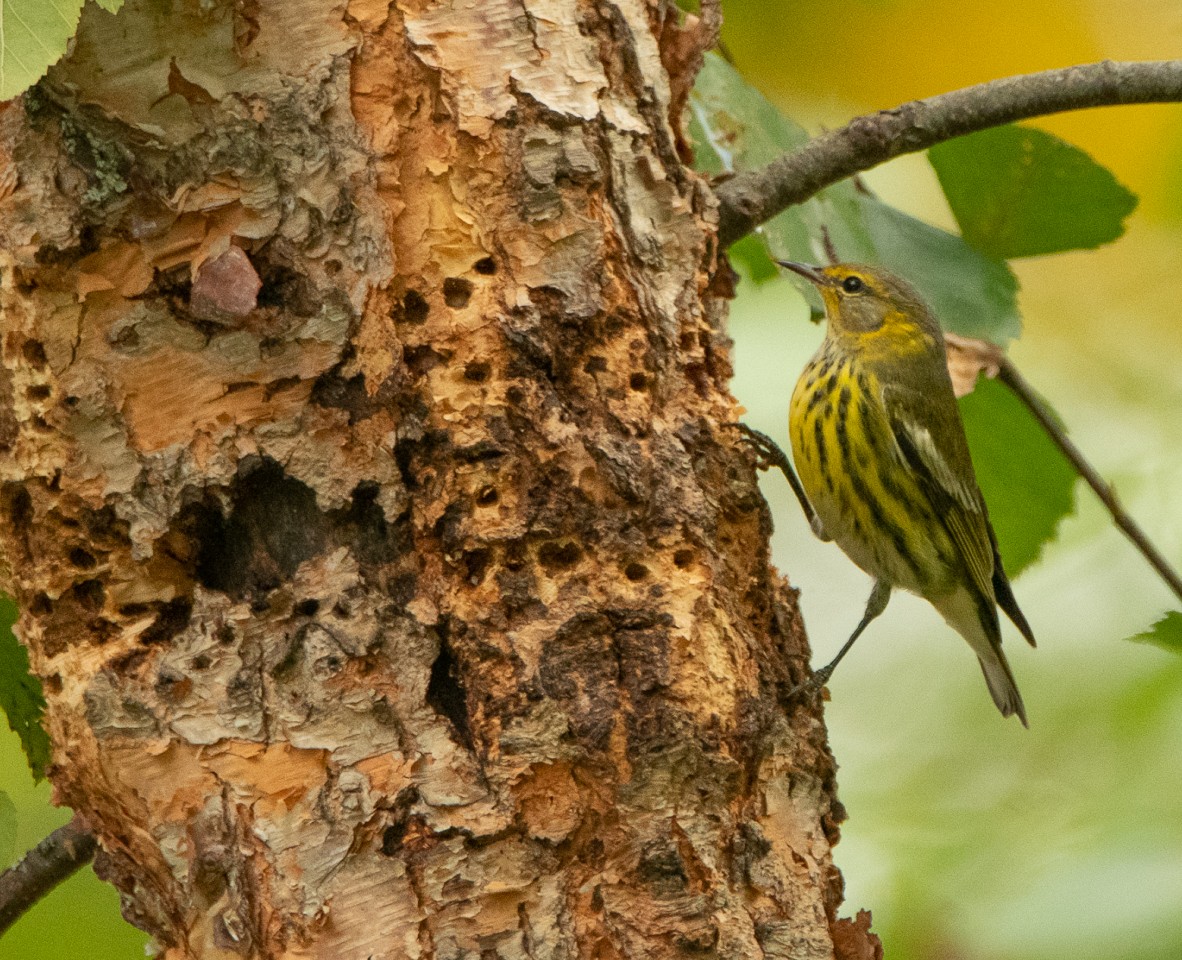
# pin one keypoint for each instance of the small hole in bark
(201, 661)
(40, 425)
(477, 371)
(332, 267)
(683, 558)
(446, 694)
(392, 837)
(515, 395)
(636, 572)
(34, 353)
(457, 292)
(225, 635)
(419, 360)
(414, 307)
(38, 392)
(173, 617)
(90, 595)
(476, 563)
(400, 820)
(638, 381)
(82, 559)
(687, 342)
(595, 365)
(285, 288)
(40, 605)
(559, 556)
(307, 608)
(53, 683)
(485, 266)
(18, 505)
(488, 496)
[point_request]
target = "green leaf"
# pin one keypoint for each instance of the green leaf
(1029, 486)
(20, 693)
(735, 129)
(1019, 192)
(970, 293)
(33, 35)
(752, 255)
(7, 828)
(1166, 633)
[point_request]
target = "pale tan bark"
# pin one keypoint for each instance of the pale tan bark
(397, 588)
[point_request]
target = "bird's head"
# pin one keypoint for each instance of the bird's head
(869, 304)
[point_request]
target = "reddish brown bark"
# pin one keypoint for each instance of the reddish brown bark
(397, 586)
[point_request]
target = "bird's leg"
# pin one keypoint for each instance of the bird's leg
(767, 455)
(874, 606)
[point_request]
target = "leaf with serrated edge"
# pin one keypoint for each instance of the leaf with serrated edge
(1166, 633)
(20, 693)
(33, 35)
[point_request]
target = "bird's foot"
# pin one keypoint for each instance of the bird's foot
(812, 686)
(767, 452)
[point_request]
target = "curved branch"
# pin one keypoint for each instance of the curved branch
(749, 199)
(1008, 374)
(54, 859)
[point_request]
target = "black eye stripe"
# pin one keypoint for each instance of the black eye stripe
(852, 284)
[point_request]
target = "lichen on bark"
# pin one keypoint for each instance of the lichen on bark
(396, 583)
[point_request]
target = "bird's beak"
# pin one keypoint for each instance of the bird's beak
(812, 274)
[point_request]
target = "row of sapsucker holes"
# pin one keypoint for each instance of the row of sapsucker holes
(554, 558)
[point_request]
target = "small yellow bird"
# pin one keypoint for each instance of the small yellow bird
(882, 456)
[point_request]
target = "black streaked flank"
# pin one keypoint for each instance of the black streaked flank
(843, 411)
(822, 453)
(879, 515)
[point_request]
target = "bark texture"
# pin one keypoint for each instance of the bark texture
(397, 589)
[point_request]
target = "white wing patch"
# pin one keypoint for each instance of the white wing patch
(925, 446)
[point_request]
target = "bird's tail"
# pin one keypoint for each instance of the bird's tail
(1001, 683)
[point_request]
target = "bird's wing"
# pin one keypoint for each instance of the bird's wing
(1005, 593)
(931, 443)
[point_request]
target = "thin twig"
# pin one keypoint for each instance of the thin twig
(53, 860)
(751, 198)
(1009, 375)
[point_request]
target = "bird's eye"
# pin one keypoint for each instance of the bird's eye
(852, 284)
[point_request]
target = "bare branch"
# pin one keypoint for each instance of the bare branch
(1009, 375)
(54, 859)
(749, 199)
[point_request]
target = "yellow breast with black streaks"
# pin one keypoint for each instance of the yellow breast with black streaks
(865, 496)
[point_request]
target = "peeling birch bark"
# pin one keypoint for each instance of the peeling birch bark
(395, 584)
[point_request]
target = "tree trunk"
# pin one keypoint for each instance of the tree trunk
(397, 587)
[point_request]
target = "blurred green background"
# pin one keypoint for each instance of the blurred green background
(969, 837)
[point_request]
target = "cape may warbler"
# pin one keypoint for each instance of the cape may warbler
(881, 451)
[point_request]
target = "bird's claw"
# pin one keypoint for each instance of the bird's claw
(767, 452)
(812, 686)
